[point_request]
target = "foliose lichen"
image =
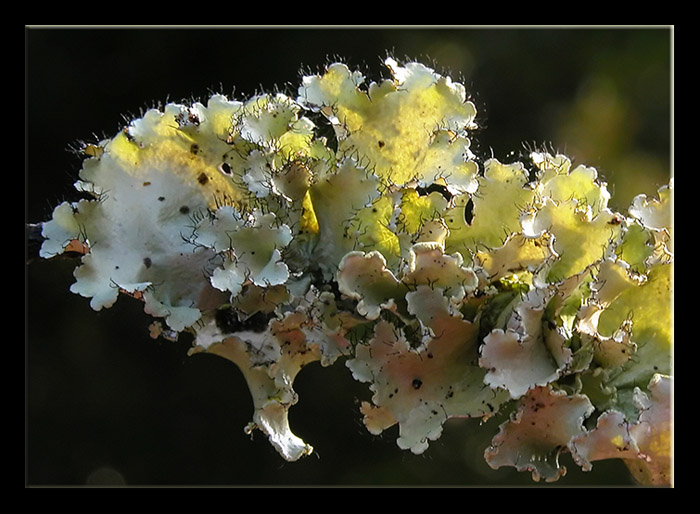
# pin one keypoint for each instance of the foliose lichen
(454, 288)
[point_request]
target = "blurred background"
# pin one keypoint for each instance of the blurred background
(106, 404)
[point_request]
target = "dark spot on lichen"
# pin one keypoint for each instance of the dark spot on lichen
(616, 220)
(194, 148)
(381, 144)
(161, 198)
(469, 212)
(184, 209)
(147, 183)
(417, 383)
(225, 168)
(147, 262)
(202, 178)
(435, 188)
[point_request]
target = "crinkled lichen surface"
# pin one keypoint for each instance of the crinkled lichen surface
(452, 287)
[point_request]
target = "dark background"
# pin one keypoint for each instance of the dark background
(105, 404)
